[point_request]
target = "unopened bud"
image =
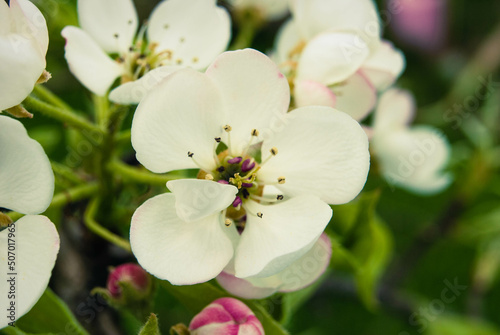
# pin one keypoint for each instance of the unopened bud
(131, 278)
(226, 316)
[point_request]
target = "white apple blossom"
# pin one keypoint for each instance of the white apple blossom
(26, 186)
(415, 157)
(333, 56)
(35, 242)
(24, 41)
(268, 10)
(315, 156)
(300, 274)
(178, 34)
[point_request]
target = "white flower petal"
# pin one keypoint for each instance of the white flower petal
(36, 248)
(196, 31)
(302, 273)
(321, 151)
(312, 93)
(332, 57)
(5, 22)
(255, 94)
(111, 23)
(414, 158)
(317, 16)
(38, 26)
(284, 233)
(133, 92)
(396, 109)
(356, 96)
(182, 253)
(26, 178)
(384, 66)
(196, 198)
(88, 62)
(287, 40)
(182, 114)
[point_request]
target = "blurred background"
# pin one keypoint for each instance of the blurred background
(436, 261)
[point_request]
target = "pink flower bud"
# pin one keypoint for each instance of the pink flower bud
(226, 316)
(131, 274)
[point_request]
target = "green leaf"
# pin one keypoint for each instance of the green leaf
(458, 325)
(151, 327)
(50, 315)
(197, 297)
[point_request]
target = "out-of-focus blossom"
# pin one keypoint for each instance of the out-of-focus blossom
(332, 54)
(178, 34)
(226, 316)
(24, 41)
(421, 23)
(415, 157)
(131, 275)
(267, 10)
(300, 274)
(314, 155)
(26, 178)
(35, 242)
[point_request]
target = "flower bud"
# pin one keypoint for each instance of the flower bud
(226, 316)
(130, 277)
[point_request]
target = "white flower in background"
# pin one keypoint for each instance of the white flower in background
(178, 34)
(333, 56)
(314, 155)
(36, 247)
(412, 158)
(26, 186)
(26, 178)
(267, 10)
(24, 41)
(300, 274)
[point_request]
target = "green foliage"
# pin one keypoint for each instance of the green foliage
(455, 325)
(151, 327)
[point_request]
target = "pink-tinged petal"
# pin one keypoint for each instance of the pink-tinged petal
(196, 31)
(26, 178)
(396, 109)
(302, 273)
(88, 62)
(358, 17)
(111, 23)
(129, 273)
(332, 57)
(184, 113)
(255, 94)
(414, 158)
(196, 199)
(184, 253)
(321, 151)
(312, 93)
(385, 66)
(226, 316)
(356, 96)
(279, 236)
(243, 288)
(37, 246)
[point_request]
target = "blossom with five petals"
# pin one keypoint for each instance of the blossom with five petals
(179, 33)
(232, 124)
(333, 56)
(26, 186)
(412, 158)
(24, 41)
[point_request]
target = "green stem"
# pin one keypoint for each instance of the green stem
(101, 110)
(66, 197)
(97, 229)
(66, 173)
(140, 176)
(45, 94)
(124, 137)
(64, 115)
(249, 23)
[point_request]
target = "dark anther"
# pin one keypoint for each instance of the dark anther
(245, 193)
(279, 197)
(116, 35)
(221, 169)
(260, 215)
(190, 154)
(218, 139)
